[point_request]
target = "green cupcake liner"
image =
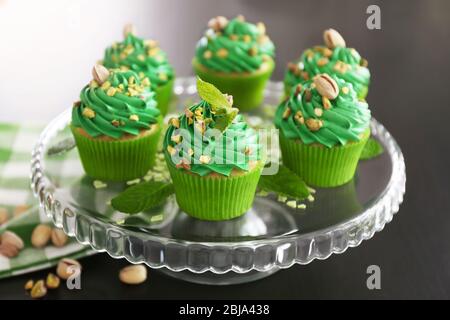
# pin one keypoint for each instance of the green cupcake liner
(247, 89)
(119, 160)
(163, 96)
(321, 166)
(214, 198)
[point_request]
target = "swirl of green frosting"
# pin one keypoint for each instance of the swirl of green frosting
(234, 46)
(190, 144)
(142, 56)
(345, 63)
(123, 104)
(308, 116)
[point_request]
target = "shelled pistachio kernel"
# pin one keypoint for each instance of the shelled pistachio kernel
(207, 54)
(253, 51)
(134, 117)
(313, 124)
(153, 51)
(134, 274)
(29, 285)
(151, 43)
(39, 290)
(322, 61)
(146, 82)
(88, 113)
(52, 281)
(174, 122)
(106, 85)
(176, 138)
(247, 38)
(66, 267)
(364, 63)
(261, 27)
(304, 75)
(171, 150)
(218, 23)
(111, 91)
(287, 113)
(327, 52)
(307, 94)
(326, 103)
(204, 159)
(41, 236)
(345, 90)
(58, 237)
(222, 53)
(318, 112)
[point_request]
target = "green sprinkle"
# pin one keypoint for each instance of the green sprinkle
(135, 181)
(99, 184)
(282, 198)
(310, 198)
(157, 218)
(263, 193)
(292, 204)
(301, 206)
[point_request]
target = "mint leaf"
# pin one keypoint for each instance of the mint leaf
(143, 196)
(286, 183)
(224, 120)
(220, 105)
(371, 150)
(212, 95)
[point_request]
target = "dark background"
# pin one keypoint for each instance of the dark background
(409, 94)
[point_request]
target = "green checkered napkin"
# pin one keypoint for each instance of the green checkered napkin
(16, 143)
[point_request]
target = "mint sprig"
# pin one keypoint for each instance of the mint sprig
(371, 150)
(285, 183)
(143, 196)
(220, 105)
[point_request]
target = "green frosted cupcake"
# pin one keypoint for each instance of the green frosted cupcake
(237, 57)
(116, 125)
(334, 59)
(148, 60)
(323, 129)
(214, 158)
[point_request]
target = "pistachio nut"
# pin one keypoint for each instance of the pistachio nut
(326, 86)
(66, 267)
(41, 236)
(333, 39)
(59, 238)
(100, 73)
(39, 290)
(134, 274)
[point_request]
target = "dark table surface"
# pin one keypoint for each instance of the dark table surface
(409, 95)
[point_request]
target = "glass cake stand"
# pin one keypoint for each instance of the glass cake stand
(269, 237)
